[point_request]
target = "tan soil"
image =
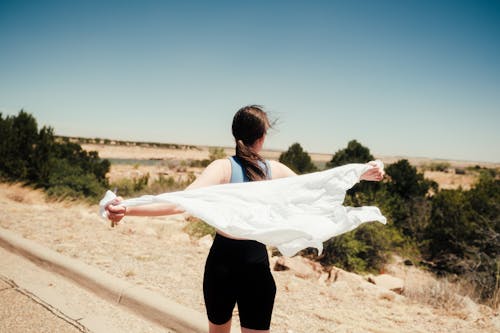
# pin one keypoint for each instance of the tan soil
(155, 253)
(198, 153)
(448, 181)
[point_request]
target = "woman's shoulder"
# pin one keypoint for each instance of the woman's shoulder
(279, 170)
(221, 163)
(217, 172)
(222, 167)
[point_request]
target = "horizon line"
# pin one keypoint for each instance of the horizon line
(398, 157)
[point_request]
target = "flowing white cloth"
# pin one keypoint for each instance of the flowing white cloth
(289, 213)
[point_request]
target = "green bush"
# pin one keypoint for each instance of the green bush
(35, 157)
(297, 159)
(463, 235)
(216, 153)
(169, 184)
(127, 187)
(198, 228)
(142, 185)
(199, 163)
(406, 182)
(365, 249)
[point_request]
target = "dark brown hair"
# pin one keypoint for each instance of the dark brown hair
(250, 123)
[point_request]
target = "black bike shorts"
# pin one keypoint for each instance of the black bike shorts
(237, 272)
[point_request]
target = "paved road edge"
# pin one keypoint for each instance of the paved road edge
(146, 303)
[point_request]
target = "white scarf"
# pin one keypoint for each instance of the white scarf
(290, 213)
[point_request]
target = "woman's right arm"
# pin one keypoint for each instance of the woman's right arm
(157, 209)
(217, 172)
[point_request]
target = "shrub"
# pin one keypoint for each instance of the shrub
(355, 152)
(365, 249)
(297, 159)
(59, 166)
(463, 233)
(199, 163)
(198, 228)
(131, 187)
(168, 184)
(216, 153)
(69, 181)
(437, 166)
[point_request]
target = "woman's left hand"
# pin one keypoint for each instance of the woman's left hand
(374, 174)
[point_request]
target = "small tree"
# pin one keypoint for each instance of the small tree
(354, 153)
(297, 159)
(462, 236)
(406, 192)
(19, 136)
(36, 157)
(406, 182)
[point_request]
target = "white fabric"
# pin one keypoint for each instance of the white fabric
(289, 213)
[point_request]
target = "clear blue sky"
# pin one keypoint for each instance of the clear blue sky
(407, 78)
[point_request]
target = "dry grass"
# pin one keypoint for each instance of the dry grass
(16, 196)
(440, 294)
(422, 287)
(447, 296)
(21, 194)
(129, 273)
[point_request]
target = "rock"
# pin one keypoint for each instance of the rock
(301, 267)
(324, 278)
(205, 241)
(279, 266)
(496, 322)
(340, 291)
(352, 279)
(387, 295)
(388, 282)
(292, 286)
(408, 262)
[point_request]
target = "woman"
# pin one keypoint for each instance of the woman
(237, 270)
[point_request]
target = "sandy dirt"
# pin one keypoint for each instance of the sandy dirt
(198, 153)
(450, 181)
(157, 254)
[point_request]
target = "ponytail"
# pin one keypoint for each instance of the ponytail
(250, 124)
(250, 161)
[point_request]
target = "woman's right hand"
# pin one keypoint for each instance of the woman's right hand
(115, 211)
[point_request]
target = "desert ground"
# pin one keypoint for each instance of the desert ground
(158, 254)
